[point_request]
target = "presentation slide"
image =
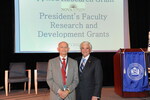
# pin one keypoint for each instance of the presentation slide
(41, 24)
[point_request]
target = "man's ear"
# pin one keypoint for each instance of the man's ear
(58, 49)
(68, 49)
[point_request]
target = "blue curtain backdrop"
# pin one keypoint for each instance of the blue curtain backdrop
(135, 75)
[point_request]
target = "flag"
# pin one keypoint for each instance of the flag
(135, 75)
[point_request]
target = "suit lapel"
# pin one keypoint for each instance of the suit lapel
(69, 71)
(87, 65)
(59, 70)
(79, 60)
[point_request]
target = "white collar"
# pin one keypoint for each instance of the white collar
(63, 57)
(87, 57)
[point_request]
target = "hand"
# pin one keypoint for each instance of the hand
(63, 94)
(94, 98)
(60, 92)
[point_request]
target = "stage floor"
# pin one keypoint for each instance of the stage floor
(107, 94)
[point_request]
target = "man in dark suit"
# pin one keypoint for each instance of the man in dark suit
(90, 74)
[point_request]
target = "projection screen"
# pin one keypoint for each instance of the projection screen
(41, 24)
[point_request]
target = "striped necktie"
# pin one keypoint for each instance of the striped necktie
(82, 65)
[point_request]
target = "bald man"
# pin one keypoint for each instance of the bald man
(62, 75)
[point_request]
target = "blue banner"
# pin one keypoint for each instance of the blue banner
(135, 76)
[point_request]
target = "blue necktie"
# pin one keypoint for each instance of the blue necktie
(82, 65)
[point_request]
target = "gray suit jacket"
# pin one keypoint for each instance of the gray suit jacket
(54, 78)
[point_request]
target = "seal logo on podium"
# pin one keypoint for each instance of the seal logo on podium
(135, 71)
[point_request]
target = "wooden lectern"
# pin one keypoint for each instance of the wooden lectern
(118, 74)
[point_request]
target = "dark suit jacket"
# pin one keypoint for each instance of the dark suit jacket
(90, 80)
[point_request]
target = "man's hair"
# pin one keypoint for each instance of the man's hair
(86, 42)
(63, 42)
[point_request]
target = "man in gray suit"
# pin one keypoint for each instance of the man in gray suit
(62, 75)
